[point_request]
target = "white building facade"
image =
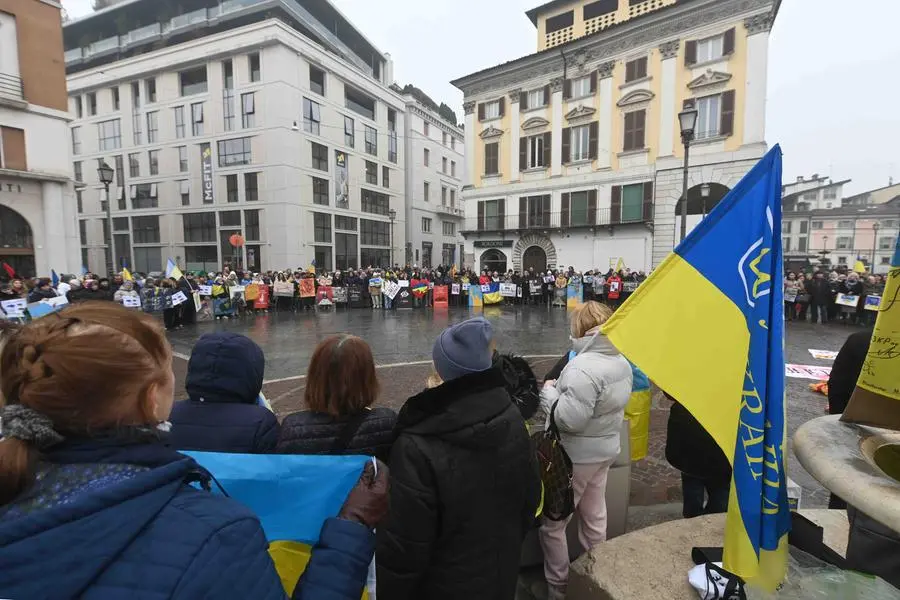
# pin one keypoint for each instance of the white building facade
(236, 118)
(435, 171)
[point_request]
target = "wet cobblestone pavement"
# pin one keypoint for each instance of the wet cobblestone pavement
(401, 343)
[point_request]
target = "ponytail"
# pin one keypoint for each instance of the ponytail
(17, 461)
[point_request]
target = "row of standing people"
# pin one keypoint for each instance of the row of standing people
(816, 295)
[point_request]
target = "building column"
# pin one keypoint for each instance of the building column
(514, 129)
(667, 108)
(758, 28)
(556, 120)
(471, 134)
(605, 141)
(54, 254)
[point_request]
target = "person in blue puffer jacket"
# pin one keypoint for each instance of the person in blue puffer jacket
(94, 504)
(223, 414)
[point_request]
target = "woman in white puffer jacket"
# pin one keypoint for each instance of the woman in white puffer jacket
(589, 399)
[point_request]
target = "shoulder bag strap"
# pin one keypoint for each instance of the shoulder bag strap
(554, 430)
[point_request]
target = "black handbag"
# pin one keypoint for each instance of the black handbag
(556, 472)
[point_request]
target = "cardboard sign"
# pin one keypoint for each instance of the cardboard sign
(847, 300)
(325, 295)
(285, 289)
(45, 307)
(404, 283)
(131, 301)
(262, 302)
(873, 303)
(815, 372)
(549, 279)
(391, 288)
(14, 308)
(178, 298)
(197, 303)
(252, 292)
(465, 287)
(823, 354)
(440, 299)
(629, 287)
(536, 287)
(340, 295)
(205, 290)
(574, 295)
(307, 288)
(790, 296)
(507, 290)
(454, 289)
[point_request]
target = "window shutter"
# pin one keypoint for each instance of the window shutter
(615, 205)
(545, 210)
(726, 127)
(728, 42)
(523, 153)
(690, 53)
(629, 71)
(481, 111)
(592, 207)
(481, 216)
(594, 134)
(594, 82)
(564, 213)
(567, 145)
(639, 127)
(647, 209)
(501, 213)
(642, 68)
(502, 107)
(567, 89)
(548, 141)
(523, 213)
(627, 140)
(546, 95)
(523, 100)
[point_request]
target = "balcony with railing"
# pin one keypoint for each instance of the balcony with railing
(11, 241)
(450, 211)
(11, 88)
(571, 219)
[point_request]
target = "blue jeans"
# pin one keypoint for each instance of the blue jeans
(695, 491)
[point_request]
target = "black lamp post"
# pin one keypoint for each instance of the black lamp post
(105, 175)
(393, 215)
(687, 119)
(875, 227)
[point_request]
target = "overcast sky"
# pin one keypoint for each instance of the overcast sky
(833, 88)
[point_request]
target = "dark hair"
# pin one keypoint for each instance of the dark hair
(341, 378)
(79, 368)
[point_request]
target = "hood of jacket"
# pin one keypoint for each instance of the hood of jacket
(594, 342)
(59, 551)
(225, 367)
(468, 411)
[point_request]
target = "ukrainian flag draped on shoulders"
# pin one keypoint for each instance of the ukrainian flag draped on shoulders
(708, 327)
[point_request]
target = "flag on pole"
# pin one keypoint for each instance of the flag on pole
(9, 270)
(312, 266)
(172, 270)
(859, 267)
(126, 274)
(719, 351)
(54, 278)
(620, 265)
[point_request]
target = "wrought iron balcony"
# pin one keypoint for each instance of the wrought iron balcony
(571, 219)
(451, 211)
(11, 87)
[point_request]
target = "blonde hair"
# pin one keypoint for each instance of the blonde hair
(434, 380)
(587, 316)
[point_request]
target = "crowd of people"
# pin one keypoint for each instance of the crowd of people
(820, 296)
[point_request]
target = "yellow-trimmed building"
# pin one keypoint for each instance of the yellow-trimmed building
(574, 153)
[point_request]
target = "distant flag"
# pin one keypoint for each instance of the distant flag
(859, 267)
(722, 357)
(126, 274)
(312, 266)
(54, 278)
(620, 266)
(172, 270)
(84, 270)
(9, 270)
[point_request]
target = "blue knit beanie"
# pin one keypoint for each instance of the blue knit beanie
(463, 349)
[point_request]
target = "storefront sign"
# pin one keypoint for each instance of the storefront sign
(341, 180)
(493, 243)
(206, 169)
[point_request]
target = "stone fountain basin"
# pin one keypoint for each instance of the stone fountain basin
(856, 463)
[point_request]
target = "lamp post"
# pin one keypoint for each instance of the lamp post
(393, 215)
(875, 228)
(704, 194)
(687, 119)
(105, 175)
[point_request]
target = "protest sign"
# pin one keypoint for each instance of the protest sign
(178, 298)
(790, 296)
(847, 300)
(404, 298)
(465, 287)
(508, 290)
(629, 287)
(518, 291)
(454, 289)
(205, 290)
(391, 288)
(252, 292)
(486, 289)
(340, 295)
(440, 299)
(307, 288)
(589, 279)
(197, 304)
(14, 308)
(262, 302)
(536, 287)
(404, 283)
(559, 296)
(356, 296)
(873, 303)
(574, 295)
(131, 301)
(823, 354)
(325, 295)
(238, 290)
(807, 372)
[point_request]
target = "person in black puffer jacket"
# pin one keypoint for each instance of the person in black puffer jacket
(341, 388)
(224, 380)
(464, 481)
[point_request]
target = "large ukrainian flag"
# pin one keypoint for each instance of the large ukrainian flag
(491, 293)
(708, 327)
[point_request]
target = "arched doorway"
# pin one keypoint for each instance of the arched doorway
(701, 199)
(16, 243)
(534, 258)
(493, 260)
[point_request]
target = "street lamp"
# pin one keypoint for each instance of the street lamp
(393, 215)
(105, 175)
(687, 119)
(875, 227)
(704, 194)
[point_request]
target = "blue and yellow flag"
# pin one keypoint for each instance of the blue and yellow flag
(708, 327)
(490, 293)
(172, 270)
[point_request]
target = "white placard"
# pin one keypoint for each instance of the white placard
(205, 290)
(403, 283)
(486, 289)
(847, 300)
(178, 298)
(391, 288)
(465, 287)
(823, 354)
(508, 290)
(14, 308)
(131, 301)
(57, 302)
(454, 289)
(807, 372)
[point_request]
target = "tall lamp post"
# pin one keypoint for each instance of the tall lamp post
(105, 174)
(393, 215)
(875, 227)
(687, 119)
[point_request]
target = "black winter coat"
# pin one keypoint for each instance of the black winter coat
(846, 369)
(691, 449)
(371, 432)
(819, 291)
(464, 490)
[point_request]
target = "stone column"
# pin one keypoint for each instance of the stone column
(605, 141)
(514, 129)
(556, 123)
(471, 135)
(668, 98)
(54, 254)
(758, 28)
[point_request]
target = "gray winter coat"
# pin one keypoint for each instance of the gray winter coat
(592, 392)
